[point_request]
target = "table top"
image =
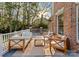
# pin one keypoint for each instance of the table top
(38, 37)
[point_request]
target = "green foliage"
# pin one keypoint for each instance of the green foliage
(43, 25)
(29, 12)
(39, 24)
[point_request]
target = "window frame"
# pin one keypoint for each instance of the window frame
(77, 39)
(60, 24)
(59, 12)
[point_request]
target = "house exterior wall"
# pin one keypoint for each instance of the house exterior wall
(69, 12)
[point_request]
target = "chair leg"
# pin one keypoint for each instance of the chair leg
(65, 48)
(9, 45)
(65, 52)
(23, 45)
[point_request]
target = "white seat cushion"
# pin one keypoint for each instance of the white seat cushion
(55, 44)
(16, 37)
(26, 34)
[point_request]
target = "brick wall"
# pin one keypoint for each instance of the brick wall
(69, 21)
(58, 6)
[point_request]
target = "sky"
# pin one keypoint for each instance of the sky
(47, 5)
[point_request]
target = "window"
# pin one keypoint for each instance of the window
(77, 22)
(60, 24)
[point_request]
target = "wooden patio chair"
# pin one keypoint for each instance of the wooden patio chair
(16, 41)
(59, 42)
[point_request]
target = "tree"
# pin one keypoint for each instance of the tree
(8, 15)
(21, 15)
(17, 7)
(29, 12)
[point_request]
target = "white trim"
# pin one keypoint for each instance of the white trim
(57, 24)
(59, 12)
(77, 24)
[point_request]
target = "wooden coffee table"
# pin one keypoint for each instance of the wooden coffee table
(39, 41)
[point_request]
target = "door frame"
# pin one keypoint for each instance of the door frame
(58, 13)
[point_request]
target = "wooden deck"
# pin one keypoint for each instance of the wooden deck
(32, 51)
